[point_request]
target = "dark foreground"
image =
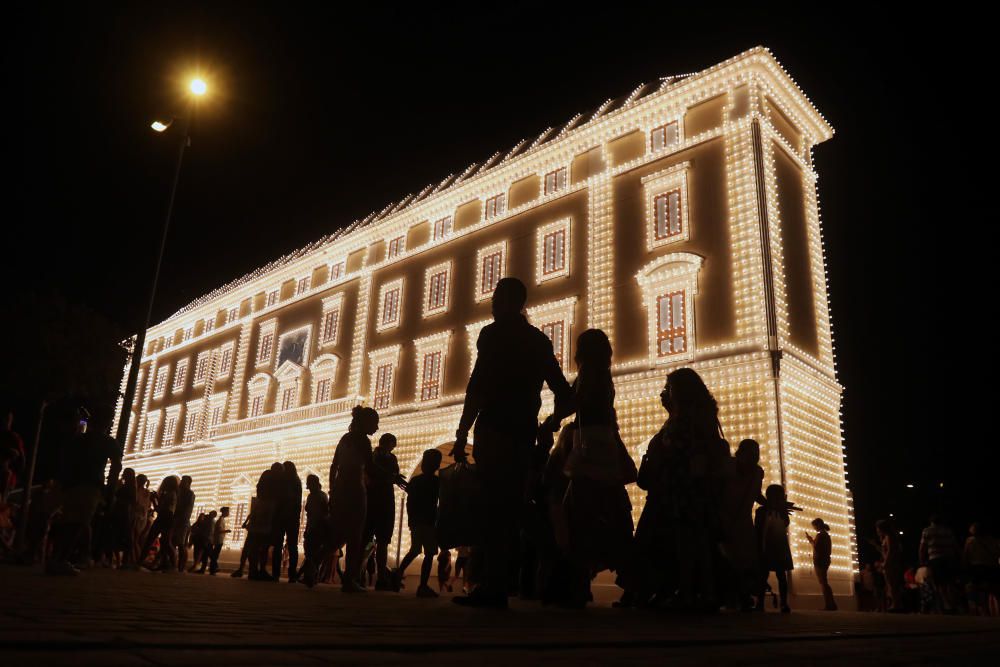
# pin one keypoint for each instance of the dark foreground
(138, 618)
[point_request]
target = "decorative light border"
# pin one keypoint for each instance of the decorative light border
(259, 386)
(172, 412)
(201, 368)
(439, 342)
(180, 375)
(500, 246)
(564, 310)
(217, 402)
(472, 332)
(330, 304)
(676, 271)
(446, 267)
(224, 373)
(150, 428)
(678, 121)
(306, 348)
(380, 325)
(659, 183)
(160, 387)
(192, 421)
(380, 357)
(566, 225)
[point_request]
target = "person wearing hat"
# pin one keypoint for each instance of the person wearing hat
(822, 546)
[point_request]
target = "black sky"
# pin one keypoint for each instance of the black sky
(319, 116)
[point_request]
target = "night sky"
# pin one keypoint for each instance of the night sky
(317, 117)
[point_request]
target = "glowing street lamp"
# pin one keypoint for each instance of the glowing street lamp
(197, 88)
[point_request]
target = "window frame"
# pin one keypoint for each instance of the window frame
(481, 254)
(564, 311)
(180, 375)
(331, 305)
(564, 226)
(664, 183)
(448, 225)
(265, 357)
(675, 272)
(495, 206)
(560, 179)
(435, 344)
(377, 359)
(395, 247)
(429, 276)
(383, 293)
(678, 137)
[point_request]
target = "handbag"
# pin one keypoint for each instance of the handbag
(597, 454)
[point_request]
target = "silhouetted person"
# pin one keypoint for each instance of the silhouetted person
(381, 514)
(165, 501)
(143, 509)
(444, 570)
(683, 470)
(349, 495)
(182, 521)
(201, 541)
(82, 486)
(219, 532)
(939, 551)
(981, 561)
(317, 528)
(822, 550)
(502, 399)
(892, 564)
(421, 512)
(771, 522)
(288, 513)
(597, 506)
(123, 519)
(11, 454)
(742, 490)
(263, 522)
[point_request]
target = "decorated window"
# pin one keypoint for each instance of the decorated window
(553, 241)
(259, 391)
(431, 353)
(671, 325)
(272, 298)
(192, 421)
(330, 325)
(490, 268)
(437, 289)
(495, 206)
(226, 360)
(234, 314)
(265, 342)
(188, 333)
(302, 286)
(217, 409)
(669, 286)
(288, 398)
(382, 368)
(555, 320)
(555, 180)
(170, 426)
(201, 367)
(336, 270)
(160, 386)
(257, 406)
(390, 298)
(442, 228)
(396, 246)
(152, 424)
(666, 207)
(664, 136)
(239, 516)
(180, 375)
(209, 324)
(323, 372)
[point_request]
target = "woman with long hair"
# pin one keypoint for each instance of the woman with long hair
(166, 503)
(349, 495)
(596, 504)
(140, 518)
(123, 519)
(683, 469)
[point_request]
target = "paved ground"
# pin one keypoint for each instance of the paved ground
(139, 618)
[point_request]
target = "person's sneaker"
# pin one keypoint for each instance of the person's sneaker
(353, 587)
(236, 575)
(61, 568)
(481, 599)
(426, 592)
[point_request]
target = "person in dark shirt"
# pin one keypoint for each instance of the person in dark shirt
(317, 517)
(502, 400)
(288, 513)
(263, 519)
(82, 484)
(182, 521)
(382, 475)
(421, 509)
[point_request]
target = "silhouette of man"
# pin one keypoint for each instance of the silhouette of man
(288, 514)
(503, 400)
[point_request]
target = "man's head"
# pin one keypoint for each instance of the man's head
(289, 468)
(312, 483)
(430, 461)
(387, 442)
(509, 298)
(213, 513)
(186, 482)
(224, 511)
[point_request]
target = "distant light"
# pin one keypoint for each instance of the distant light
(941, 485)
(909, 486)
(900, 532)
(158, 126)
(198, 87)
(891, 515)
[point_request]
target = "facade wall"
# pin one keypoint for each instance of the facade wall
(741, 275)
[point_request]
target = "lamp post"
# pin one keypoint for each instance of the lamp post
(197, 88)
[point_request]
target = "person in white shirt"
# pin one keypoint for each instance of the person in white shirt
(218, 539)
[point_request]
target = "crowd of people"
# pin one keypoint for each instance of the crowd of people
(528, 515)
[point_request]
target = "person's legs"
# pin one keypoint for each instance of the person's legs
(822, 575)
(277, 544)
(292, 540)
(782, 589)
(214, 567)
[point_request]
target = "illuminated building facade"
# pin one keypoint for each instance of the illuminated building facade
(682, 219)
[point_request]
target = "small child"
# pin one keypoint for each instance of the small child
(421, 509)
(822, 548)
(771, 521)
(444, 571)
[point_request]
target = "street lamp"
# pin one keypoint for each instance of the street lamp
(197, 88)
